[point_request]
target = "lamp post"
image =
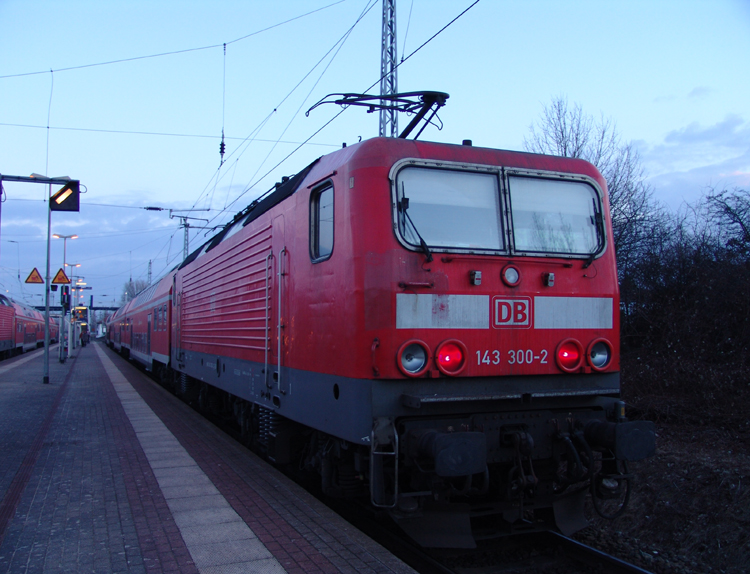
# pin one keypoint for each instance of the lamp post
(73, 304)
(65, 244)
(64, 313)
(81, 284)
(65, 199)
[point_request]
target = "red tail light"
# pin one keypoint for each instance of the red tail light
(451, 357)
(569, 355)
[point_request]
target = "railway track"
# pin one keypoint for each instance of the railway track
(539, 553)
(593, 557)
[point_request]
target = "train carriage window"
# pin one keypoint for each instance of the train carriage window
(449, 208)
(321, 223)
(554, 216)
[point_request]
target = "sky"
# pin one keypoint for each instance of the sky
(131, 98)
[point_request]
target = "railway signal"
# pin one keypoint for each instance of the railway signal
(67, 198)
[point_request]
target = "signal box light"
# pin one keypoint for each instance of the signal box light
(67, 198)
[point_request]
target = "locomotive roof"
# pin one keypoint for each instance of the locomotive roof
(389, 150)
(258, 207)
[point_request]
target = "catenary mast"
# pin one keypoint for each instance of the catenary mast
(388, 76)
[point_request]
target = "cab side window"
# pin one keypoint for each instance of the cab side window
(321, 223)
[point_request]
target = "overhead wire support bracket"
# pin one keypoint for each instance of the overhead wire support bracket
(186, 224)
(418, 103)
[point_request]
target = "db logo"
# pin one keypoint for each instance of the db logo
(511, 312)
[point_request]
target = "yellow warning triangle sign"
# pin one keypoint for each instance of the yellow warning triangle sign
(61, 278)
(34, 277)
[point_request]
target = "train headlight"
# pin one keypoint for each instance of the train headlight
(569, 355)
(451, 357)
(510, 275)
(412, 358)
(599, 354)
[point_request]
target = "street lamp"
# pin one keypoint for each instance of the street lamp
(65, 244)
(74, 292)
(65, 264)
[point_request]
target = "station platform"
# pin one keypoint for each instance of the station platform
(104, 471)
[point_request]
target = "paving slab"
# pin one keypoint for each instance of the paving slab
(103, 471)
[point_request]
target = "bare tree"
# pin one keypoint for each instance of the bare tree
(566, 131)
(729, 211)
(131, 289)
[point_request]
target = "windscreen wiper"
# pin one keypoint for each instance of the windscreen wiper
(598, 221)
(403, 206)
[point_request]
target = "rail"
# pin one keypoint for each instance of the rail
(593, 557)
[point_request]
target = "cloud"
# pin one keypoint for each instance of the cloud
(664, 99)
(694, 157)
(699, 92)
(674, 188)
(732, 131)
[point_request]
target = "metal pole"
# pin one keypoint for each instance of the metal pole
(388, 71)
(70, 325)
(62, 349)
(187, 238)
(45, 379)
(72, 328)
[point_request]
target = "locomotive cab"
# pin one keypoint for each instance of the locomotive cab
(496, 382)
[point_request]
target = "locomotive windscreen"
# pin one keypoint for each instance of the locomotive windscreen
(451, 208)
(553, 216)
(464, 209)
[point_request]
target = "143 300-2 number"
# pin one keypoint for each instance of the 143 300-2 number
(526, 357)
(515, 357)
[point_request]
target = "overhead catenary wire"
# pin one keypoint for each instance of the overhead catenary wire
(403, 60)
(246, 141)
(222, 145)
(244, 146)
(49, 114)
(337, 47)
(162, 134)
(173, 52)
(406, 34)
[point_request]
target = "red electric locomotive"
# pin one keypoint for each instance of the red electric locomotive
(433, 326)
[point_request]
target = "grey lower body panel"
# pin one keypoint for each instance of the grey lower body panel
(346, 407)
(339, 406)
